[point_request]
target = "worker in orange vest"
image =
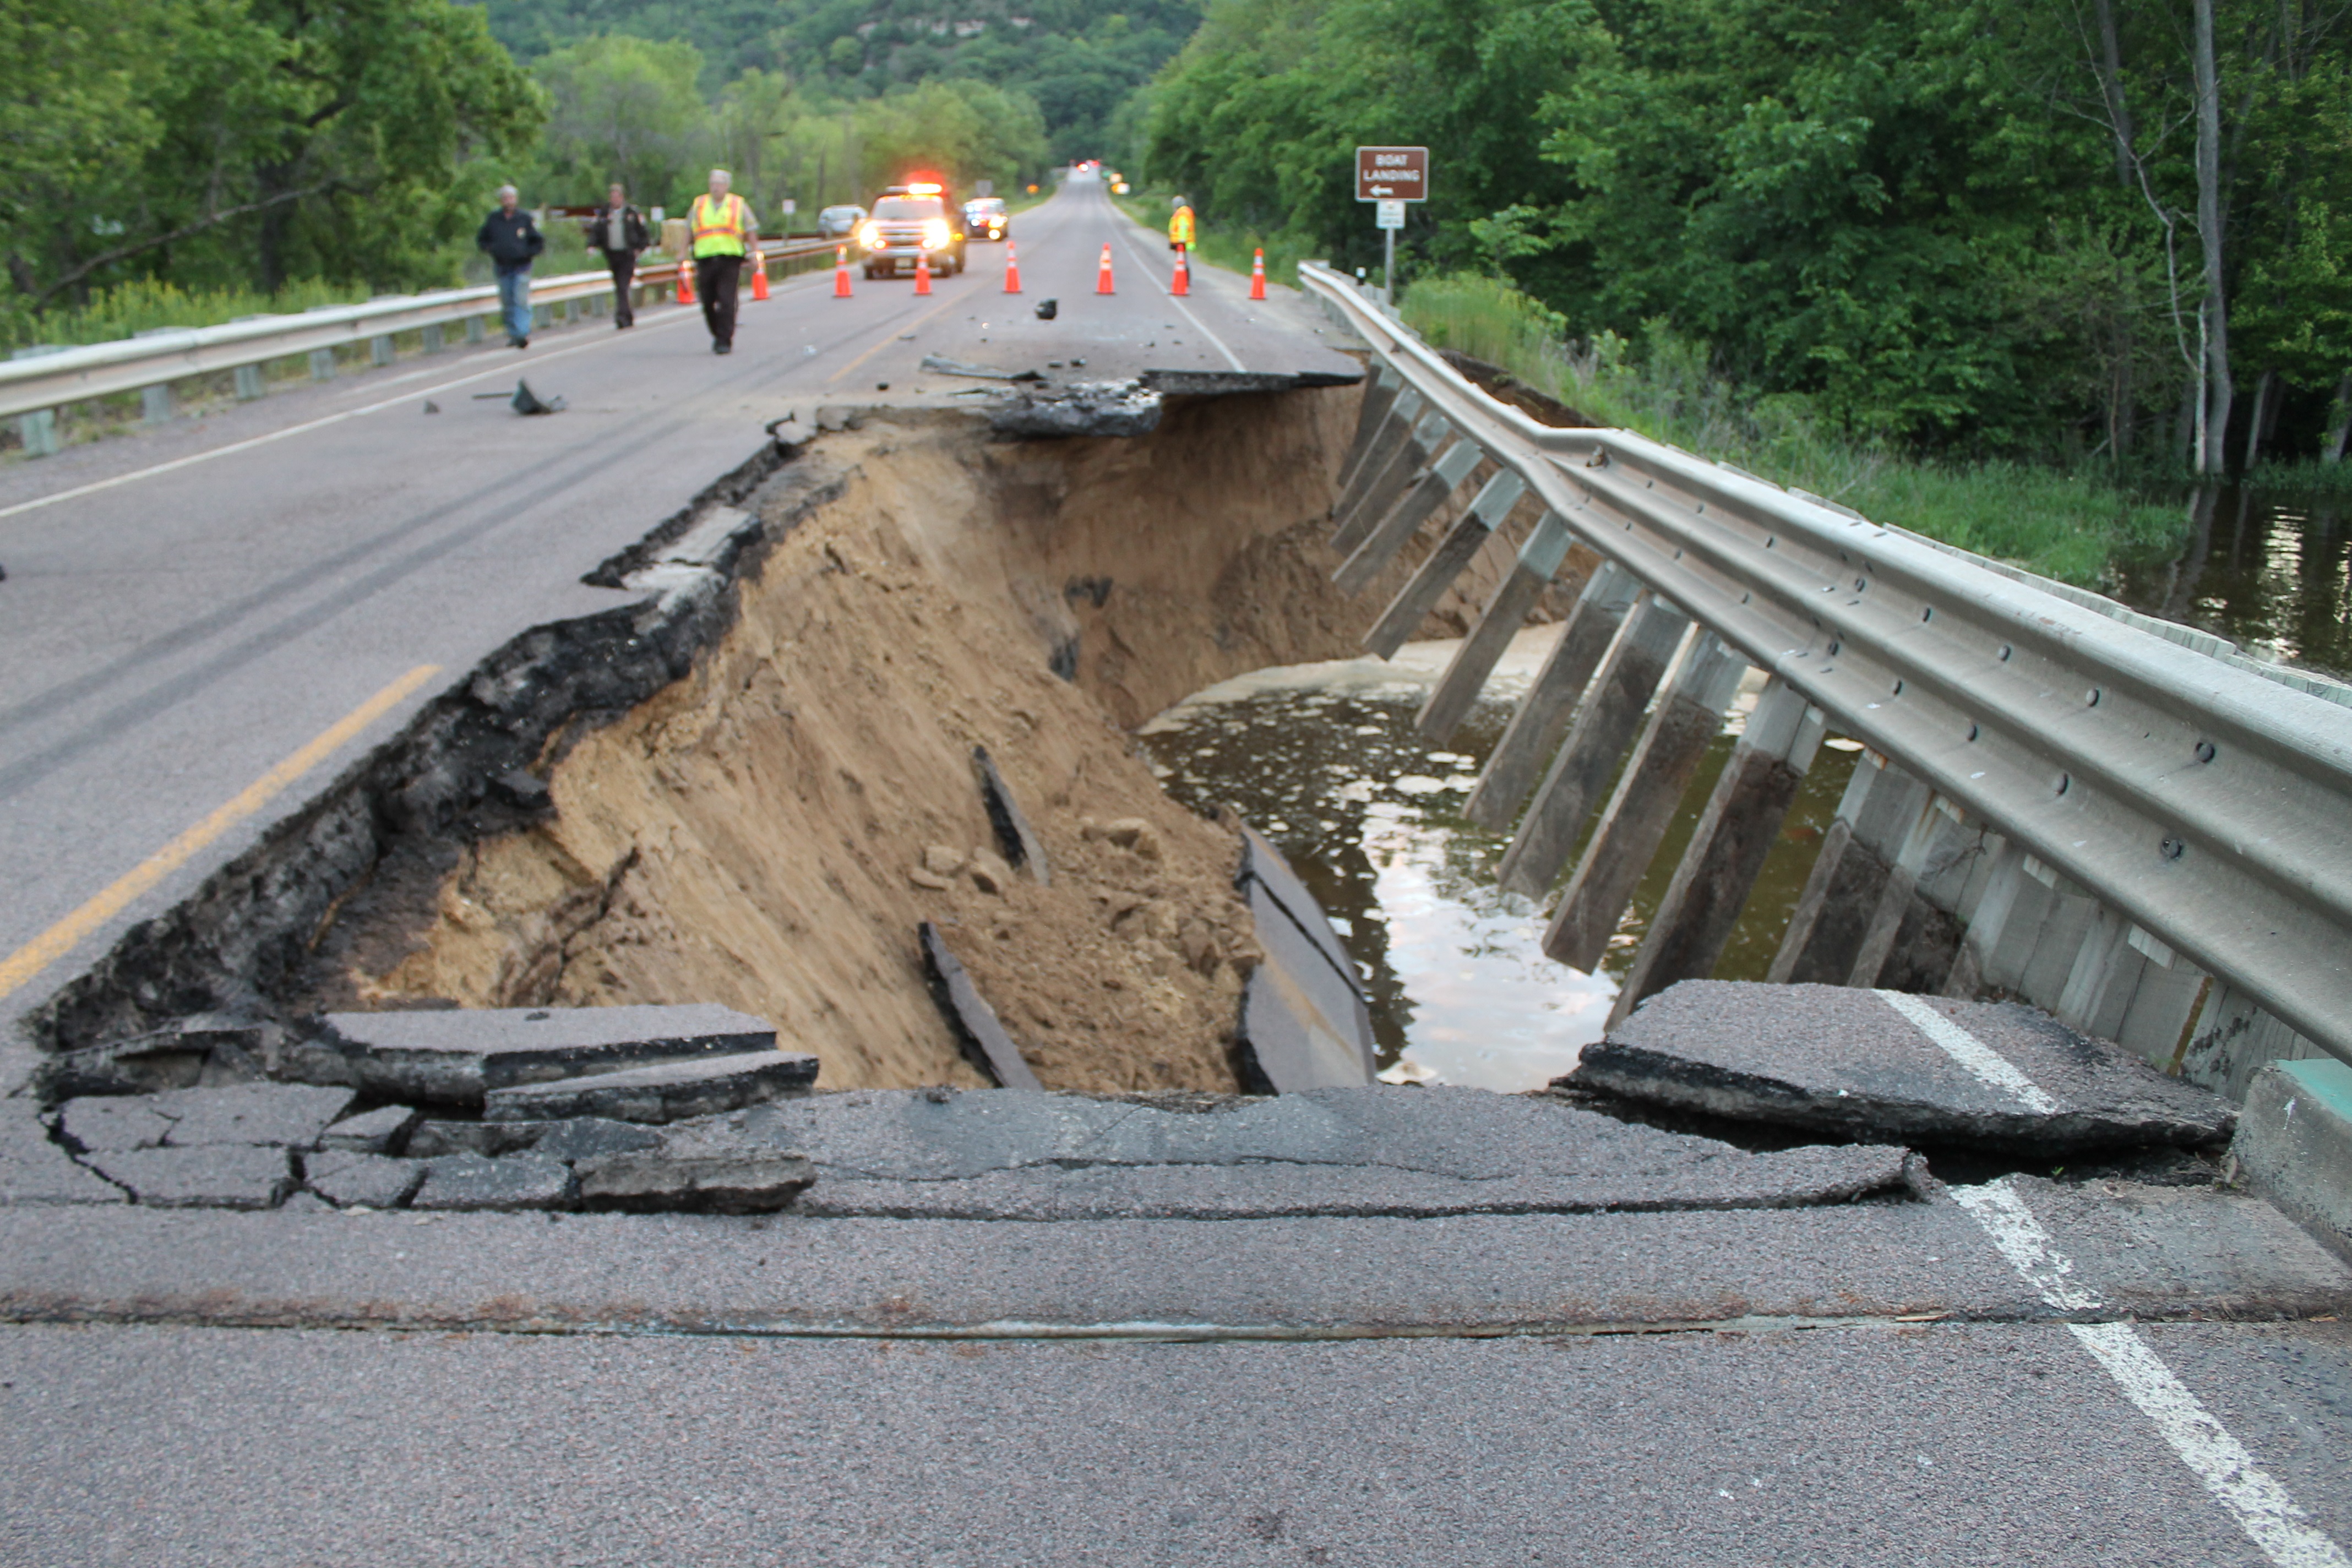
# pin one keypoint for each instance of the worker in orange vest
(1180, 226)
(724, 231)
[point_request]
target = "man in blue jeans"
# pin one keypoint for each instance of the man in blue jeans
(512, 240)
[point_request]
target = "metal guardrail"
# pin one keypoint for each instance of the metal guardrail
(131, 364)
(2141, 795)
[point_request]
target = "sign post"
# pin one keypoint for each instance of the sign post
(1389, 178)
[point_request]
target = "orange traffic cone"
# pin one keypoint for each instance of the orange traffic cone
(1183, 277)
(841, 272)
(685, 283)
(1257, 277)
(758, 274)
(1102, 279)
(1011, 269)
(923, 272)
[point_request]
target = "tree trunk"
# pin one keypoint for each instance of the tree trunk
(2262, 416)
(2212, 453)
(2110, 69)
(2339, 423)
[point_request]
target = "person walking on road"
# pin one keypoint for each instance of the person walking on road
(1180, 226)
(724, 232)
(619, 231)
(512, 241)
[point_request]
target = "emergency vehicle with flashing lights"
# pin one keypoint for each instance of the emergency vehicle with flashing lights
(909, 222)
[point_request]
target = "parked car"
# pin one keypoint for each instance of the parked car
(985, 218)
(909, 221)
(839, 223)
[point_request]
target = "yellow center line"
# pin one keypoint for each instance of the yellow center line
(59, 938)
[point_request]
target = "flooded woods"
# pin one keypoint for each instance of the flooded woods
(2272, 573)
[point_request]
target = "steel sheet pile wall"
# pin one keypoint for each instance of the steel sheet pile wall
(2111, 808)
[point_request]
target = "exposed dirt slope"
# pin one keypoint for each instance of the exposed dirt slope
(758, 833)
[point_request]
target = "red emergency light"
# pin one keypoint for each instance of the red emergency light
(927, 185)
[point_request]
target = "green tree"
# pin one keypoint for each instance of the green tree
(624, 109)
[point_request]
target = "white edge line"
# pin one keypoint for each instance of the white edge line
(2263, 1508)
(1120, 223)
(1989, 1066)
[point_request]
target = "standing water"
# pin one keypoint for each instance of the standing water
(1324, 760)
(2272, 574)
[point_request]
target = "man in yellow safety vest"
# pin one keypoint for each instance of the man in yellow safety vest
(1180, 228)
(724, 233)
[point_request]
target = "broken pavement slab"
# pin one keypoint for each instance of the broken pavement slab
(456, 1055)
(1087, 408)
(750, 1181)
(977, 1027)
(667, 1091)
(348, 1179)
(1886, 1066)
(212, 1176)
(1378, 1151)
(289, 1116)
(383, 1130)
(514, 1182)
(35, 1170)
(1016, 839)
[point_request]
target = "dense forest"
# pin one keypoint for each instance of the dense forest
(2117, 227)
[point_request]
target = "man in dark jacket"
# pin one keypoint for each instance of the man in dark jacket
(512, 240)
(619, 231)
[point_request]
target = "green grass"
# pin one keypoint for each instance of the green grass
(2071, 525)
(141, 306)
(2308, 481)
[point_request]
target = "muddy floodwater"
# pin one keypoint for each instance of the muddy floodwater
(2271, 572)
(1324, 759)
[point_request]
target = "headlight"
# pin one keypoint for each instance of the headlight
(935, 234)
(870, 236)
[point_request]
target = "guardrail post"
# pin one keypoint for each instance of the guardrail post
(1894, 901)
(474, 331)
(1971, 970)
(380, 349)
(1840, 897)
(38, 428)
(1371, 413)
(1743, 816)
(250, 383)
(541, 317)
(1389, 473)
(1428, 492)
(156, 404)
(1649, 791)
(1539, 723)
(1606, 723)
(2233, 1037)
(1452, 557)
(431, 340)
(1540, 555)
(2048, 960)
(322, 364)
(2148, 999)
(1395, 424)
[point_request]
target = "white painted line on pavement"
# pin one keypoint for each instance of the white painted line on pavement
(1988, 1064)
(1144, 262)
(2263, 1507)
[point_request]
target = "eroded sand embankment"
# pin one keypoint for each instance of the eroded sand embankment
(754, 833)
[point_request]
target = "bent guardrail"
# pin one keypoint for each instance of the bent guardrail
(2111, 808)
(66, 375)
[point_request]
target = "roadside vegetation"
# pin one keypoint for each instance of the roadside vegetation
(2073, 524)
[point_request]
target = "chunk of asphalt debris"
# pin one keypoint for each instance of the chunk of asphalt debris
(288, 1115)
(433, 1140)
(456, 1055)
(1015, 838)
(1048, 309)
(1263, 864)
(523, 790)
(515, 1182)
(977, 1028)
(754, 1181)
(205, 1048)
(1885, 1065)
(212, 1176)
(348, 1179)
(383, 1130)
(671, 1092)
(590, 1137)
(35, 1170)
(947, 366)
(1304, 1022)
(98, 1124)
(1087, 408)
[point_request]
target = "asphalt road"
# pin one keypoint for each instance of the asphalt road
(185, 609)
